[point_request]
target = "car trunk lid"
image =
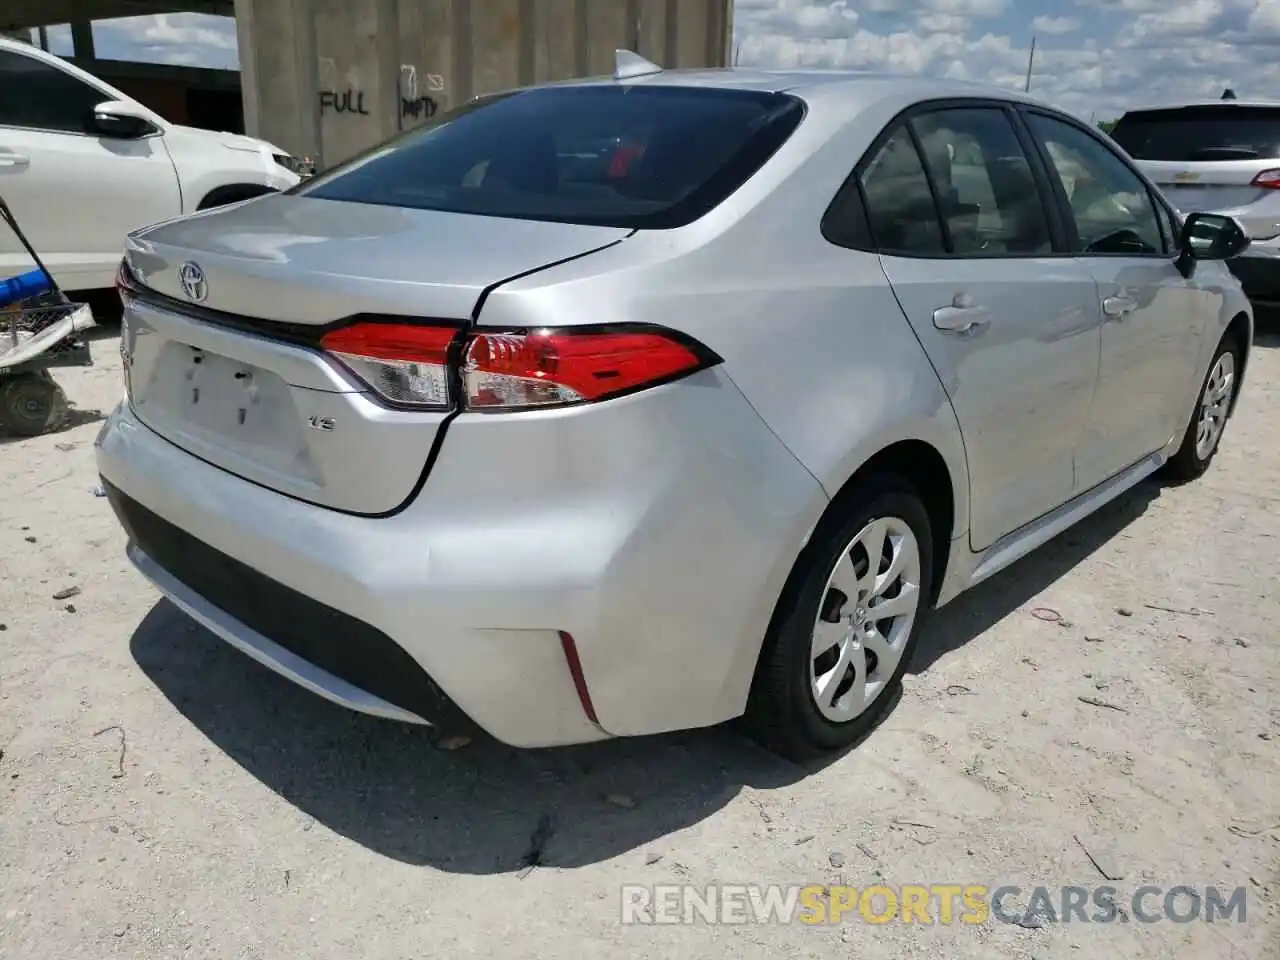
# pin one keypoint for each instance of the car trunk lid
(226, 365)
(297, 260)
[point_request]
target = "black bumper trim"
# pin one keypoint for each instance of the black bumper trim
(336, 642)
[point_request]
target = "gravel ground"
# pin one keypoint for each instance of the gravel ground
(163, 796)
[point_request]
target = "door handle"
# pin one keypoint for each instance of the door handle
(963, 316)
(1119, 307)
(8, 159)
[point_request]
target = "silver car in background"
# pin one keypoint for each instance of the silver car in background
(483, 427)
(1222, 156)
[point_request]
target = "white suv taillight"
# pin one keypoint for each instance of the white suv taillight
(413, 365)
(1268, 180)
(406, 364)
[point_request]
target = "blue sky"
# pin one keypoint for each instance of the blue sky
(1094, 57)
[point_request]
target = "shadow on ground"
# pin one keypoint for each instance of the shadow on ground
(1266, 326)
(75, 417)
(978, 609)
(478, 810)
(475, 810)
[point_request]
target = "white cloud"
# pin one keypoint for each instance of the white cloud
(799, 18)
(943, 23)
(191, 39)
(1126, 5)
(1055, 26)
(1264, 19)
(1189, 19)
(964, 8)
(1112, 55)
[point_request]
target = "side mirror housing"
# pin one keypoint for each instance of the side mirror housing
(1209, 236)
(121, 120)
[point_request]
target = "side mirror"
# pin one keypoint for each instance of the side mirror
(121, 120)
(1209, 236)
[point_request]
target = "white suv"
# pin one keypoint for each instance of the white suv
(1221, 156)
(81, 165)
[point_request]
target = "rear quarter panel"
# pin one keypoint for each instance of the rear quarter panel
(810, 332)
(811, 335)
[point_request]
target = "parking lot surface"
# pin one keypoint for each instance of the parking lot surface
(1103, 714)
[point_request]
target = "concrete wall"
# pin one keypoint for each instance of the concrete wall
(329, 78)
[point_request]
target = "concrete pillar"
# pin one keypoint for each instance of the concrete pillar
(82, 40)
(330, 78)
(248, 52)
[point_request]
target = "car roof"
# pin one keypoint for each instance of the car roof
(812, 84)
(1195, 104)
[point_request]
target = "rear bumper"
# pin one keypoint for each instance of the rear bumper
(659, 543)
(320, 648)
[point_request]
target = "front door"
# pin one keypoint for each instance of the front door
(1011, 329)
(1149, 333)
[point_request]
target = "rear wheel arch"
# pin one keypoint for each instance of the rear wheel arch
(233, 193)
(1241, 330)
(1202, 435)
(911, 474)
(924, 468)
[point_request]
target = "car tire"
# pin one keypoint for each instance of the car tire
(30, 404)
(1208, 422)
(790, 710)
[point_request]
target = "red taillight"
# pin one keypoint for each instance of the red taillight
(406, 364)
(410, 364)
(1268, 180)
(505, 371)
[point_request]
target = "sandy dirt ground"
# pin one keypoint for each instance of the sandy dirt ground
(163, 796)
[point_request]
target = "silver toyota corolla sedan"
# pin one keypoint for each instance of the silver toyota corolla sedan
(646, 402)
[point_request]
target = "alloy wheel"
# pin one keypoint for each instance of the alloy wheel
(868, 608)
(1214, 404)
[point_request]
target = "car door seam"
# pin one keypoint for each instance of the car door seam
(177, 174)
(955, 416)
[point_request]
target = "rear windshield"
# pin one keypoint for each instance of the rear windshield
(625, 156)
(1201, 133)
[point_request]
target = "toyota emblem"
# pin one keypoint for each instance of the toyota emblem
(194, 284)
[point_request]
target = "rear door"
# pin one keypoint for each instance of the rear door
(967, 239)
(1217, 157)
(74, 193)
(1151, 313)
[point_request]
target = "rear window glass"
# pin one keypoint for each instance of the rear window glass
(1205, 133)
(626, 156)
